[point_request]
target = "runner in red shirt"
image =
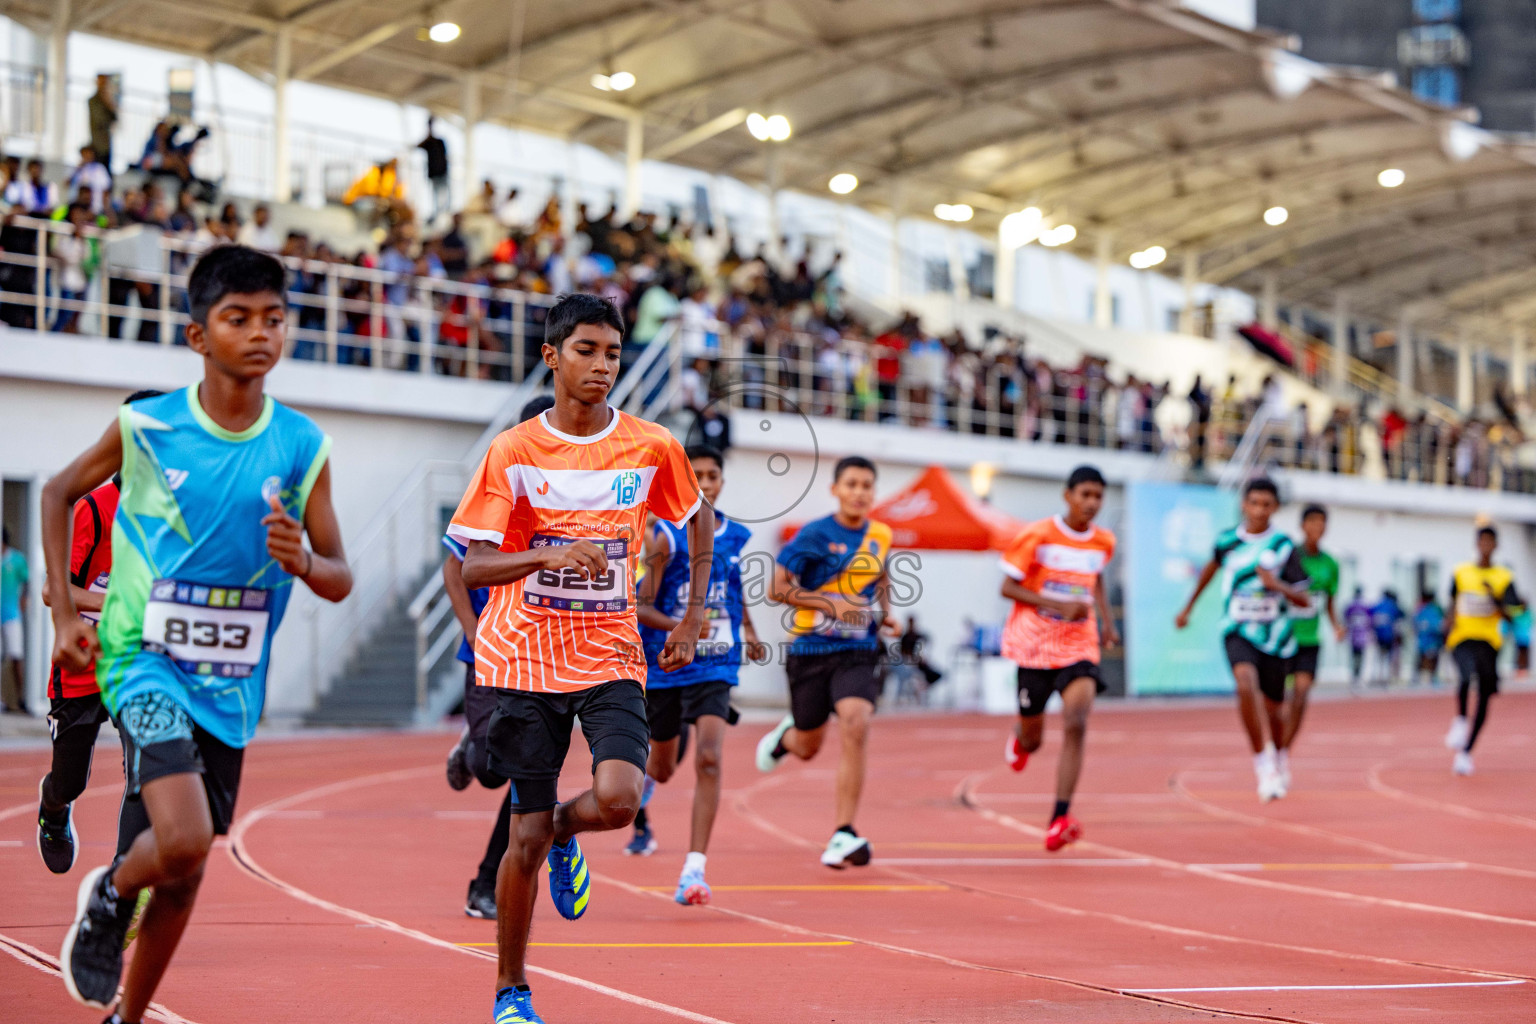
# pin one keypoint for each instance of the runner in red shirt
(1054, 576)
(75, 711)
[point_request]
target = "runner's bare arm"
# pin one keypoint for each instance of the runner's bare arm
(74, 643)
(1206, 575)
(1333, 617)
(1296, 593)
(656, 553)
(683, 641)
(1108, 634)
(1069, 610)
(85, 600)
(486, 565)
(888, 623)
(323, 565)
(756, 649)
(458, 597)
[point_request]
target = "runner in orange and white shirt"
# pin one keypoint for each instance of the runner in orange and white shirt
(553, 521)
(1054, 575)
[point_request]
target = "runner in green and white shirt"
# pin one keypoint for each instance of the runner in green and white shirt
(1262, 578)
(1323, 581)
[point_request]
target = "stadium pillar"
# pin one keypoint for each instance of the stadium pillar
(58, 80)
(1519, 367)
(771, 183)
(634, 152)
(282, 64)
(1466, 391)
(893, 270)
(469, 171)
(1340, 368)
(1103, 307)
(1404, 348)
(1005, 273)
(1191, 279)
(1269, 301)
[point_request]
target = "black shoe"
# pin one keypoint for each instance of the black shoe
(481, 902)
(459, 775)
(92, 957)
(56, 839)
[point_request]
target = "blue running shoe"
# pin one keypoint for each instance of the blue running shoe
(515, 1006)
(643, 843)
(647, 790)
(692, 890)
(569, 883)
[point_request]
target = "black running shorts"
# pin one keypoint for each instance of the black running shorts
(160, 739)
(530, 733)
(1306, 660)
(818, 681)
(669, 708)
(1272, 668)
(1037, 684)
(479, 703)
(1478, 662)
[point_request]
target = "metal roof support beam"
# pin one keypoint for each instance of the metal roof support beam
(1191, 274)
(1466, 384)
(703, 133)
(1103, 300)
(469, 169)
(1404, 353)
(346, 51)
(1269, 300)
(282, 60)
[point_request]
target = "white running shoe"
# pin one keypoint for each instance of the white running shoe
(766, 761)
(1283, 774)
(845, 848)
(1462, 764)
(1269, 784)
(1456, 736)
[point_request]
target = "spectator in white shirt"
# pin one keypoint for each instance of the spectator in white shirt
(258, 233)
(76, 261)
(92, 174)
(32, 194)
(696, 316)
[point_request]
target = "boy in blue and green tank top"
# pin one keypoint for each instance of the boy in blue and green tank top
(219, 486)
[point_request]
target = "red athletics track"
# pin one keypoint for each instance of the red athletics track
(338, 897)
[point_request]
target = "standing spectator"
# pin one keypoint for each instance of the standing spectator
(78, 258)
(711, 427)
(101, 109)
(454, 250)
(1386, 618)
(13, 606)
(397, 295)
(93, 176)
(1199, 421)
(1393, 429)
(437, 166)
(484, 201)
(31, 194)
(696, 315)
(1357, 620)
(259, 233)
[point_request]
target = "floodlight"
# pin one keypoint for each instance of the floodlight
(444, 32)
(1276, 215)
(1020, 228)
(843, 183)
(1391, 178)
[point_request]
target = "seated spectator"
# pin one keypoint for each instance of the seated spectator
(78, 258)
(32, 195)
(259, 233)
(91, 174)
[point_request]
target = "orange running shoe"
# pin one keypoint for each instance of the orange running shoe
(1016, 756)
(1065, 829)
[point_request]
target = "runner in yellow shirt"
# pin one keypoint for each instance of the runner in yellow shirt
(1482, 596)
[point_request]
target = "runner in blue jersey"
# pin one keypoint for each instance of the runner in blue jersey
(468, 758)
(219, 486)
(833, 575)
(699, 694)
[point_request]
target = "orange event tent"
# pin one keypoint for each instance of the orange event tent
(933, 513)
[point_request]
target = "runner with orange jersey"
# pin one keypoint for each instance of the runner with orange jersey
(552, 523)
(1054, 575)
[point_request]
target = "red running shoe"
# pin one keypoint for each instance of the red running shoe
(1016, 756)
(1065, 829)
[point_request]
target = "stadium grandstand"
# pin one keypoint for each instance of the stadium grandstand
(980, 244)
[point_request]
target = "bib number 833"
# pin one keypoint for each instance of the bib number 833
(573, 579)
(231, 636)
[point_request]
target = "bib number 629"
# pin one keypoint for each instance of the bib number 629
(574, 579)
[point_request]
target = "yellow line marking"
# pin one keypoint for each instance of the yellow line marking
(810, 888)
(664, 945)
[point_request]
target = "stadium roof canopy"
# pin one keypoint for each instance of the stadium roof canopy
(1135, 120)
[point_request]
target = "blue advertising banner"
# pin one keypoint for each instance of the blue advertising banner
(1170, 530)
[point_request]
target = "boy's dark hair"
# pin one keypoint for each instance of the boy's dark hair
(1428, 597)
(141, 395)
(705, 451)
(231, 270)
(1489, 531)
(576, 309)
(1262, 483)
(536, 405)
(1313, 510)
(5, 536)
(852, 462)
(1085, 475)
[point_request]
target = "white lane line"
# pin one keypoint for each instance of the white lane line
(40, 961)
(1342, 866)
(1016, 862)
(241, 855)
(10, 842)
(1330, 988)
